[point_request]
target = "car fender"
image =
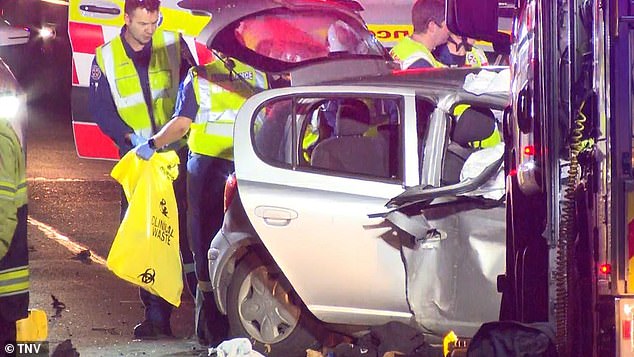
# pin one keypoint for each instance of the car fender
(227, 249)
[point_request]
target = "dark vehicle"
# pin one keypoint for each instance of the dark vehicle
(570, 182)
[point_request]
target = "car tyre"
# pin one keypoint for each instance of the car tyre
(262, 306)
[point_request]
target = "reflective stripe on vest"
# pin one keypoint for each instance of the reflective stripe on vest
(14, 281)
(219, 98)
(163, 74)
(408, 51)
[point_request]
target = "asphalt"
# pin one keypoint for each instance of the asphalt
(75, 199)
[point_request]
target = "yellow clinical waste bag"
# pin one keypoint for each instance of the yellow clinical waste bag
(32, 328)
(145, 250)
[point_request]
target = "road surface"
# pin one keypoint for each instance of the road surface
(74, 206)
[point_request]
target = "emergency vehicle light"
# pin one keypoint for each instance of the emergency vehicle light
(529, 150)
(9, 105)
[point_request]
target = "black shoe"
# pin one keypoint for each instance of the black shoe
(147, 330)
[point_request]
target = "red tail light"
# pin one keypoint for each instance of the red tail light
(605, 268)
(231, 187)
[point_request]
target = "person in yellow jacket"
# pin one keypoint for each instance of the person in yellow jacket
(134, 81)
(207, 104)
(460, 52)
(430, 31)
(14, 259)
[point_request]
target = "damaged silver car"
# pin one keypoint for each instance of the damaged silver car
(362, 194)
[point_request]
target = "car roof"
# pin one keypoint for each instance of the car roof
(424, 80)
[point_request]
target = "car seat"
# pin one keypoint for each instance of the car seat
(473, 125)
(349, 150)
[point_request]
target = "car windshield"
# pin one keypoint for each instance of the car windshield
(297, 37)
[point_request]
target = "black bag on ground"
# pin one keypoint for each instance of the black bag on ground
(509, 338)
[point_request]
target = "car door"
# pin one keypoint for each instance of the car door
(457, 250)
(312, 214)
(91, 23)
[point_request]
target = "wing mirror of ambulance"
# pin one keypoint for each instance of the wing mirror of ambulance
(493, 23)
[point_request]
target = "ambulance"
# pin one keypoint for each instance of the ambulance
(570, 178)
(94, 22)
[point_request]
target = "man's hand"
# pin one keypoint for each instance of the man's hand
(136, 140)
(145, 151)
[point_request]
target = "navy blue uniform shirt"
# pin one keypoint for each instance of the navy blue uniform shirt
(421, 63)
(443, 55)
(100, 101)
(186, 103)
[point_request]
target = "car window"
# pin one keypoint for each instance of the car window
(292, 36)
(334, 135)
(473, 127)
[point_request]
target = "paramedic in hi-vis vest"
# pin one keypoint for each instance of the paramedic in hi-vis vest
(430, 31)
(460, 52)
(134, 81)
(208, 102)
(14, 259)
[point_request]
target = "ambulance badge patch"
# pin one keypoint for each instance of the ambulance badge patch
(95, 73)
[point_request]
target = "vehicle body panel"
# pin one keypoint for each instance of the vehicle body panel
(13, 35)
(348, 267)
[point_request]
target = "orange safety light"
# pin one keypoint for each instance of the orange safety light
(605, 268)
(529, 150)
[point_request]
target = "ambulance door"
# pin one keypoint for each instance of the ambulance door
(91, 23)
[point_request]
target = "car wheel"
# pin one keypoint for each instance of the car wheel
(262, 306)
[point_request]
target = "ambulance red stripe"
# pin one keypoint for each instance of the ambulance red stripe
(85, 37)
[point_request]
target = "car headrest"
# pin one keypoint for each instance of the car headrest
(353, 118)
(472, 125)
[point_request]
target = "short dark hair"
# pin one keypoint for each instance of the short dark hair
(149, 5)
(426, 11)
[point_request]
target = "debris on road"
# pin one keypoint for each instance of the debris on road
(65, 349)
(237, 347)
(83, 256)
(109, 330)
(58, 306)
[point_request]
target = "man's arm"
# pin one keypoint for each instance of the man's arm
(104, 112)
(186, 109)
(8, 189)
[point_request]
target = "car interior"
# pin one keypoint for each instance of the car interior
(349, 150)
(470, 127)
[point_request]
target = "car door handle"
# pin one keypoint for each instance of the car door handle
(100, 9)
(275, 216)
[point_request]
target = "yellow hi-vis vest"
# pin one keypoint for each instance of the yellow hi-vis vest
(14, 272)
(408, 51)
(125, 85)
(476, 58)
(219, 97)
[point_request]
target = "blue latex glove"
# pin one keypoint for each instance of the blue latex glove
(136, 140)
(144, 151)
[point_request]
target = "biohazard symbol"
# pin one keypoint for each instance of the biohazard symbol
(147, 277)
(163, 204)
(167, 171)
